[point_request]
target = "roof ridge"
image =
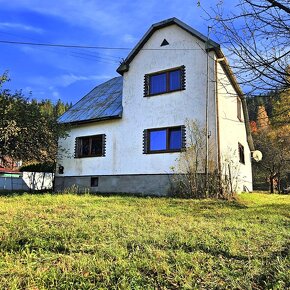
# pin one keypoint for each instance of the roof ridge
(124, 66)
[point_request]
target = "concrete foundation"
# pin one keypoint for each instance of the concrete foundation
(142, 184)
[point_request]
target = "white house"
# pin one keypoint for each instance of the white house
(128, 132)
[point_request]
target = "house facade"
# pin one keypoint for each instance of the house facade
(128, 133)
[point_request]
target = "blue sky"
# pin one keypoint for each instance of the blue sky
(67, 73)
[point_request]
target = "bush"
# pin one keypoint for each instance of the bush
(38, 167)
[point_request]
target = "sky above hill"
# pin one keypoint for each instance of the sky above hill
(69, 73)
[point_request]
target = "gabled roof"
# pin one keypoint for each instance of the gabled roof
(102, 103)
(105, 101)
(210, 45)
(125, 65)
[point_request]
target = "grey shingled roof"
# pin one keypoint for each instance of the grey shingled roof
(103, 102)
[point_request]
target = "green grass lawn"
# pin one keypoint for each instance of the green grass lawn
(93, 242)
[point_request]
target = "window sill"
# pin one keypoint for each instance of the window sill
(163, 93)
(164, 151)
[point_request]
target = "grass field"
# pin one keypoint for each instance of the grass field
(93, 242)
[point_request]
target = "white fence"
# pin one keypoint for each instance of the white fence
(27, 181)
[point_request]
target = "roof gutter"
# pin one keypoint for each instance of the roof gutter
(93, 120)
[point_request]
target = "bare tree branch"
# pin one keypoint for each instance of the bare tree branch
(279, 5)
(257, 40)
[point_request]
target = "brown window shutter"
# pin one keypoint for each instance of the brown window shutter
(77, 148)
(183, 80)
(103, 144)
(146, 85)
(145, 141)
(183, 137)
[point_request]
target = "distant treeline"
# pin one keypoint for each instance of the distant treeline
(53, 109)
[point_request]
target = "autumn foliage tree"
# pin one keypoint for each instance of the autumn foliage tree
(272, 136)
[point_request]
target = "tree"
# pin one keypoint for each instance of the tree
(275, 145)
(262, 118)
(191, 162)
(271, 136)
(190, 180)
(28, 129)
(281, 110)
(257, 39)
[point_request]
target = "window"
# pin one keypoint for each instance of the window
(241, 153)
(165, 81)
(239, 108)
(90, 146)
(94, 181)
(163, 140)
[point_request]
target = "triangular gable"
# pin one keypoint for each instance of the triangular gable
(124, 67)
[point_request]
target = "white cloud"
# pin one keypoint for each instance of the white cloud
(20, 26)
(128, 38)
(113, 17)
(68, 79)
(125, 20)
(65, 80)
(55, 94)
(94, 14)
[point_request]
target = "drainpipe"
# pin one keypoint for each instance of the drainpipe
(217, 120)
(247, 123)
(206, 111)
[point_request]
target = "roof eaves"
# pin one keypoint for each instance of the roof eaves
(119, 116)
(229, 72)
(240, 93)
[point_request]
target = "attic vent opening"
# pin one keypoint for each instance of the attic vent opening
(164, 42)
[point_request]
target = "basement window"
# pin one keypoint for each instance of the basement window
(90, 146)
(164, 140)
(165, 81)
(241, 153)
(94, 181)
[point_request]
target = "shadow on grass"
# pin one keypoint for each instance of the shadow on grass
(173, 202)
(274, 270)
(207, 204)
(272, 208)
(23, 192)
(213, 251)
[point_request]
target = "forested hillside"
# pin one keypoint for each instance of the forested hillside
(270, 125)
